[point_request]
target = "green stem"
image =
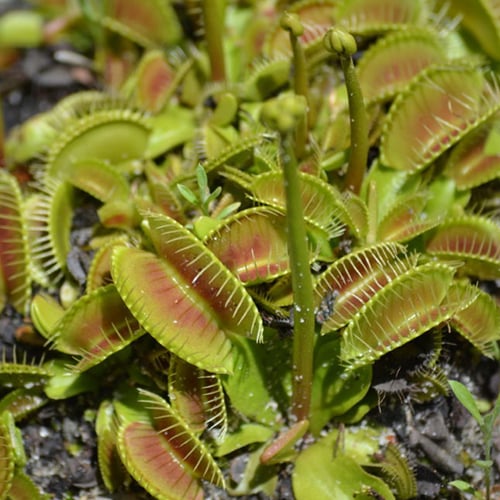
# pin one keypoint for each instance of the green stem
(284, 114)
(213, 18)
(292, 24)
(343, 44)
(304, 322)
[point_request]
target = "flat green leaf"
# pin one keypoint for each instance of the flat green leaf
(260, 385)
(467, 399)
(318, 475)
(334, 391)
(243, 436)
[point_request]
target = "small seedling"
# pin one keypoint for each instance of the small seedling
(486, 424)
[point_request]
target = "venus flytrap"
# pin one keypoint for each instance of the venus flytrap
(251, 296)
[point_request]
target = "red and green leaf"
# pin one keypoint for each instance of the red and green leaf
(154, 81)
(181, 440)
(206, 277)
(149, 22)
(409, 306)
(196, 396)
(390, 63)
(436, 109)
(356, 278)
(406, 219)
(99, 179)
(111, 468)
(472, 239)
(470, 164)
(205, 302)
(479, 322)
(367, 17)
(252, 244)
(316, 16)
(99, 273)
(147, 456)
(323, 205)
(96, 326)
(14, 267)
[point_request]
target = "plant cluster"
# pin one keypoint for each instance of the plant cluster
(285, 195)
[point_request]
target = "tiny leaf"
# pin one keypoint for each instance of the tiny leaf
(467, 399)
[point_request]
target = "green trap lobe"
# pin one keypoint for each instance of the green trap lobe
(322, 203)
(7, 461)
(149, 22)
(114, 136)
(370, 17)
(469, 164)
(155, 77)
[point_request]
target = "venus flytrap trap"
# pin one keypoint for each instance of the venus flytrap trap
(251, 273)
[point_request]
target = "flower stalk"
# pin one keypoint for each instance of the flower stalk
(291, 23)
(284, 115)
(213, 19)
(343, 44)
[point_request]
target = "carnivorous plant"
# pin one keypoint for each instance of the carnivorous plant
(286, 197)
